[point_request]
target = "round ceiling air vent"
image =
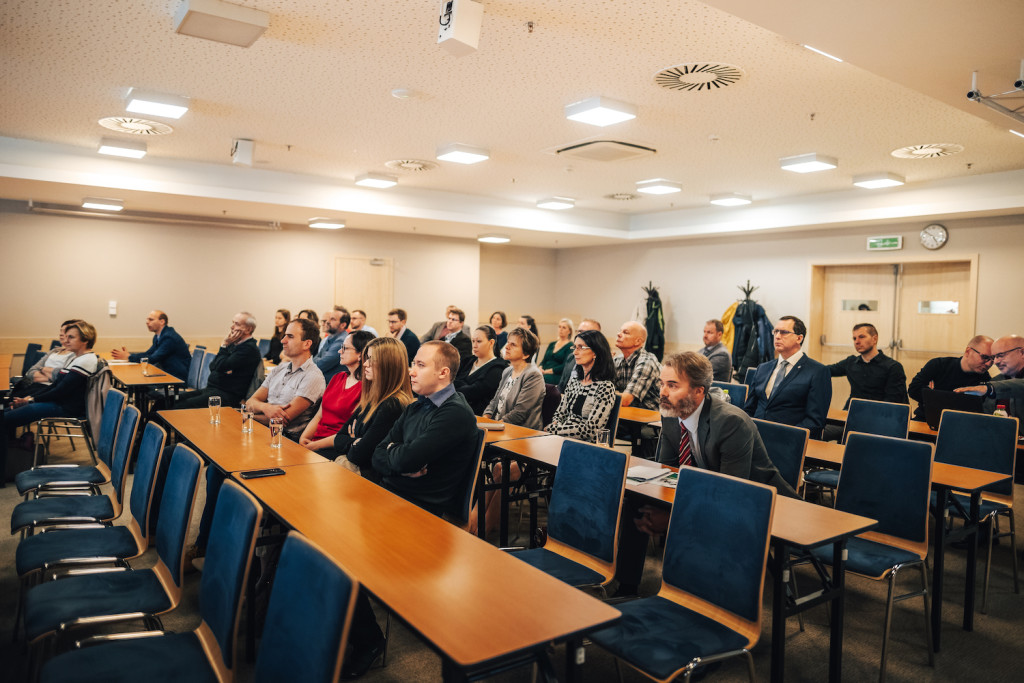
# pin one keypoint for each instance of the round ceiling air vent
(410, 165)
(622, 196)
(698, 76)
(941, 149)
(133, 126)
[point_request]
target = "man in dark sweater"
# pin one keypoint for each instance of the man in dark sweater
(949, 372)
(232, 370)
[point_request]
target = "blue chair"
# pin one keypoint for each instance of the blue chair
(204, 373)
(701, 614)
(63, 476)
(613, 419)
(264, 346)
(748, 376)
(867, 417)
(737, 393)
(786, 446)
(889, 480)
(470, 482)
(983, 442)
(87, 597)
(195, 368)
(583, 516)
(158, 655)
(33, 352)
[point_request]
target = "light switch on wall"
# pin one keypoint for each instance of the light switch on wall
(112, 308)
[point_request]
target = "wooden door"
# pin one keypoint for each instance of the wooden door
(368, 284)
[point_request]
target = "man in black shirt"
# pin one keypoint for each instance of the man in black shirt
(949, 373)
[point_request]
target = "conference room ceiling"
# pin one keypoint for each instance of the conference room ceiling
(314, 93)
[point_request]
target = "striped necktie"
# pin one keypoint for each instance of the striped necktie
(685, 447)
(781, 375)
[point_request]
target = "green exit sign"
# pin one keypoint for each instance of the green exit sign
(886, 243)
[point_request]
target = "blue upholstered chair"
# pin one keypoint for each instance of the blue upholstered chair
(748, 376)
(208, 653)
(701, 614)
(204, 373)
(33, 352)
(867, 417)
(983, 442)
(786, 446)
(264, 346)
(58, 507)
(613, 420)
(583, 516)
(58, 476)
(195, 368)
(889, 480)
(737, 392)
(89, 597)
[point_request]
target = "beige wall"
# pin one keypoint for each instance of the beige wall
(520, 280)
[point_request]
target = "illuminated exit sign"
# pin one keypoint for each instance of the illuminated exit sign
(887, 243)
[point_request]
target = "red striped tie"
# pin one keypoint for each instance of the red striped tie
(685, 448)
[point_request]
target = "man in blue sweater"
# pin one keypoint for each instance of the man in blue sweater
(169, 352)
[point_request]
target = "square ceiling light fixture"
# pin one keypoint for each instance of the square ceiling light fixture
(808, 163)
(875, 181)
(658, 186)
(122, 148)
(600, 111)
(556, 203)
(462, 154)
(103, 204)
(156, 104)
(494, 238)
(730, 199)
(221, 22)
(326, 223)
(379, 180)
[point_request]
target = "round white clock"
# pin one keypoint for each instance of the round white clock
(934, 236)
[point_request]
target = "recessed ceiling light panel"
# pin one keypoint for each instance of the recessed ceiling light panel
(875, 181)
(730, 199)
(556, 203)
(600, 111)
(103, 204)
(658, 186)
(222, 22)
(130, 149)
(378, 180)
(823, 54)
(156, 104)
(462, 154)
(808, 163)
(326, 223)
(494, 238)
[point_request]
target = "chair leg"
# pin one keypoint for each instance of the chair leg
(888, 623)
(750, 665)
(387, 640)
(988, 562)
(927, 612)
(1013, 549)
(796, 596)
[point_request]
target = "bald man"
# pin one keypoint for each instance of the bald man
(637, 377)
(169, 352)
(949, 372)
(1008, 386)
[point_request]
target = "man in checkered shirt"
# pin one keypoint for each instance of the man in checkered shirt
(637, 377)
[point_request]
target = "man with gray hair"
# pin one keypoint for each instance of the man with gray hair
(716, 352)
(232, 370)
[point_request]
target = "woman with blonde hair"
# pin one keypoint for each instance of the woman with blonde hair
(386, 393)
(557, 353)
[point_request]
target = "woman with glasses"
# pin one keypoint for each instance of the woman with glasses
(480, 374)
(590, 395)
(386, 393)
(340, 398)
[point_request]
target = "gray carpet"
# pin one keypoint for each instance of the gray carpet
(988, 653)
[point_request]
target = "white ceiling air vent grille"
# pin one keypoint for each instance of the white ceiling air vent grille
(410, 165)
(932, 151)
(699, 76)
(134, 126)
(604, 150)
(622, 196)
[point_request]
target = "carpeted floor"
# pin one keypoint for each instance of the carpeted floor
(989, 653)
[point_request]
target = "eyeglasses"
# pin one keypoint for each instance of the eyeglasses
(781, 333)
(984, 357)
(579, 347)
(1000, 356)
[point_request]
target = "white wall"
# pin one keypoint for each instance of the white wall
(520, 280)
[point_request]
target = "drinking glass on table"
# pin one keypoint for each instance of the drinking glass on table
(214, 403)
(276, 432)
(246, 419)
(603, 436)
(145, 366)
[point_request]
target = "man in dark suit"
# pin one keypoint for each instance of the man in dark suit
(169, 352)
(398, 330)
(793, 389)
(456, 335)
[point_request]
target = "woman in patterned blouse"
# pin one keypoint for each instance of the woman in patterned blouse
(590, 394)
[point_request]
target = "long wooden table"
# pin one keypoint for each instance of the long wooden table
(795, 524)
(129, 376)
(6, 359)
(945, 479)
(509, 433)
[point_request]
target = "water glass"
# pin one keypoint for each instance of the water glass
(246, 419)
(145, 366)
(603, 437)
(276, 432)
(214, 410)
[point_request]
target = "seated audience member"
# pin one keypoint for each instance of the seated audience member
(590, 395)
(570, 363)
(310, 314)
(456, 334)
(233, 368)
(169, 352)
(637, 373)
(480, 373)
(340, 398)
(38, 377)
(716, 352)
(359, 323)
(1007, 388)
(64, 397)
(425, 459)
(328, 358)
(439, 329)
(499, 322)
(949, 372)
(386, 393)
(557, 353)
(281, 320)
(397, 329)
(528, 323)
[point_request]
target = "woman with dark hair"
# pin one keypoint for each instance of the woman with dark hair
(480, 373)
(557, 353)
(281, 320)
(527, 322)
(590, 394)
(341, 396)
(499, 322)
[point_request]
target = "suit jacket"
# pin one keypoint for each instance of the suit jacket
(729, 443)
(169, 352)
(801, 400)
(433, 331)
(412, 343)
(463, 344)
(327, 358)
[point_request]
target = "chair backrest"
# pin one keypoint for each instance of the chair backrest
(33, 352)
(113, 407)
(176, 511)
(258, 375)
(54, 343)
(264, 346)
(123, 450)
(984, 442)
(888, 479)
(552, 397)
(737, 392)
(204, 373)
(877, 417)
(236, 523)
(786, 446)
(748, 376)
(96, 391)
(471, 479)
(140, 502)
(717, 546)
(613, 419)
(308, 618)
(586, 499)
(195, 367)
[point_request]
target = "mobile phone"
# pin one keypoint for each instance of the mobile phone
(256, 474)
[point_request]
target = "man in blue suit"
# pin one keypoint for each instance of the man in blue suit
(169, 352)
(793, 389)
(327, 358)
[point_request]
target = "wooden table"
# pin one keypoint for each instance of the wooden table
(509, 433)
(439, 579)
(639, 415)
(945, 479)
(5, 371)
(795, 524)
(129, 376)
